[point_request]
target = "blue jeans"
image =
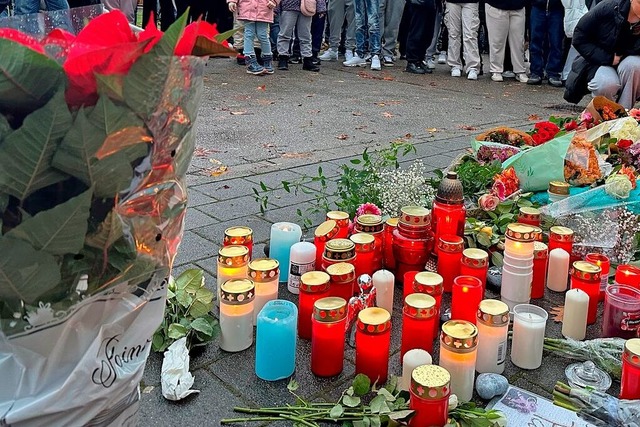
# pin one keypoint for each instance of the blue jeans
(368, 11)
(24, 7)
(546, 26)
(253, 29)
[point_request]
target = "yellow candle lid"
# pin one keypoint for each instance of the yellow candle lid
(475, 258)
(521, 232)
(493, 312)
(559, 187)
(459, 336)
(314, 281)
(341, 272)
(420, 306)
(430, 382)
(450, 243)
(233, 255)
(562, 234)
(369, 223)
(392, 222)
(374, 320)
(264, 269)
(427, 282)
(415, 215)
(237, 291)
(338, 215)
(327, 230)
(339, 249)
(632, 351)
(239, 231)
(330, 309)
(585, 270)
(364, 242)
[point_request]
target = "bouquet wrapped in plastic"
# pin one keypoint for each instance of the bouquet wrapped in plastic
(96, 135)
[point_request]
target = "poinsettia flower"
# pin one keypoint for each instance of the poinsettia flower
(150, 32)
(190, 35)
(22, 38)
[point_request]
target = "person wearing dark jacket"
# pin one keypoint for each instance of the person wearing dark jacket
(546, 24)
(607, 39)
(506, 20)
(420, 32)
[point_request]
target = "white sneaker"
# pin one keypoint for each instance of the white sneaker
(442, 58)
(388, 61)
(348, 55)
(431, 64)
(356, 61)
(329, 55)
(522, 77)
(375, 63)
(497, 77)
(456, 72)
(472, 74)
(367, 57)
(509, 75)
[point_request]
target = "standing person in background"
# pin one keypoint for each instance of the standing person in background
(317, 30)
(545, 48)
(167, 13)
(390, 16)
(338, 11)
(430, 59)
(506, 19)
(463, 20)
(367, 23)
(292, 19)
(420, 33)
(573, 11)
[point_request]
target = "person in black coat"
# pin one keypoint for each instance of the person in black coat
(607, 39)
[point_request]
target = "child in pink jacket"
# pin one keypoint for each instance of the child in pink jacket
(256, 15)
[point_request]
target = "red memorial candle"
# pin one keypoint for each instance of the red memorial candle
(365, 253)
(561, 237)
(630, 381)
(408, 279)
(313, 286)
(540, 264)
(412, 240)
(327, 336)
(450, 247)
(603, 262)
(475, 262)
(529, 216)
(239, 236)
(343, 280)
(448, 214)
(429, 396)
(342, 219)
(326, 231)
(372, 224)
(628, 275)
(373, 339)
(338, 250)
(418, 315)
(430, 283)
(388, 259)
(586, 277)
(465, 298)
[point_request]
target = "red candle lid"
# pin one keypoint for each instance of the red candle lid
(585, 270)
(314, 282)
(238, 235)
(339, 250)
(364, 242)
(374, 320)
(233, 255)
(264, 269)
(420, 306)
(561, 234)
(529, 213)
(369, 223)
(459, 336)
(340, 217)
(428, 283)
(632, 351)
(450, 243)
(430, 382)
(341, 272)
(330, 309)
(475, 258)
(327, 230)
(493, 312)
(540, 250)
(521, 232)
(237, 291)
(415, 216)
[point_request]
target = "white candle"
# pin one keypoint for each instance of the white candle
(383, 281)
(516, 288)
(411, 360)
(236, 315)
(458, 353)
(574, 320)
(283, 236)
(529, 323)
(493, 329)
(558, 272)
(302, 259)
(265, 273)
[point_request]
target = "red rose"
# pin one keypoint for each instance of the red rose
(572, 125)
(623, 144)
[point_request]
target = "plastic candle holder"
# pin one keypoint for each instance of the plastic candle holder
(343, 280)
(586, 277)
(372, 224)
(418, 316)
(519, 240)
(327, 336)
(529, 324)
(373, 339)
(365, 253)
(430, 283)
(493, 330)
(628, 275)
(517, 272)
(314, 285)
(621, 312)
(448, 213)
(561, 237)
(475, 262)
(388, 260)
(557, 191)
(458, 352)
(450, 247)
(412, 240)
(326, 231)
(283, 236)
(276, 340)
(429, 396)
(603, 262)
(540, 263)
(265, 273)
(239, 236)
(302, 259)
(529, 216)
(630, 382)
(465, 298)
(342, 219)
(408, 280)
(338, 250)
(236, 314)
(233, 263)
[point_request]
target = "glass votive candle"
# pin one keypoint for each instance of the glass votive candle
(558, 190)
(342, 219)
(493, 329)
(239, 236)
(561, 237)
(338, 250)
(327, 336)
(430, 283)
(418, 316)
(365, 253)
(540, 263)
(236, 314)
(458, 352)
(429, 396)
(343, 280)
(233, 263)
(465, 298)
(372, 224)
(265, 273)
(450, 247)
(530, 216)
(373, 339)
(448, 214)
(412, 240)
(586, 277)
(407, 280)
(313, 286)
(326, 231)
(388, 260)
(627, 274)
(529, 324)
(283, 236)
(602, 261)
(475, 262)
(621, 312)
(518, 243)
(630, 381)
(276, 340)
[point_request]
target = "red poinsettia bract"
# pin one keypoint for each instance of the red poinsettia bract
(544, 132)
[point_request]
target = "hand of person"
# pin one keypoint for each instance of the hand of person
(271, 4)
(616, 60)
(321, 15)
(233, 7)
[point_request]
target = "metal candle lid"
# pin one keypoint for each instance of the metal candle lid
(341, 272)
(537, 233)
(327, 230)
(475, 258)
(529, 213)
(392, 222)
(420, 306)
(540, 250)
(584, 270)
(450, 190)
(330, 309)
(450, 243)
(314, 282)
(264, 269)
(369, 223)
(430, 382)
(521, 232)
(374, 320)
(459, 336)
(238, 235)
(493, 312)
(341, 218)
(428, 283)
(632, 351)
(561, 234)
(237, 291)
(416, 216)
(364, 242)
(339, 249)
(559, 187)
(233, 255)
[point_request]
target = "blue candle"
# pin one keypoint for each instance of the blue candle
(276, 340)
(283, 236)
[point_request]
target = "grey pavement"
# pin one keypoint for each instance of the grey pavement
(285, 126)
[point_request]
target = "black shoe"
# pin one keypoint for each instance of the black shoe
(283, 62)
(414, 68)
(555, 81)
(308, 65)
(295, 60)
(315, 60)
(534, 80)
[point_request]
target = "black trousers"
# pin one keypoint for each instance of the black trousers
(167, 12)
(420, 31)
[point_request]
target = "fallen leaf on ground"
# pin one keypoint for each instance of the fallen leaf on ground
(408, 136)
(148, 389)
(268, 145)
(265, 102)
(534, 117)
(467, 127)
(384, 76)
(203, 152)
(224, 187)
(342, 136)
(220, 170)
(432, 130)
(262, 87)
(558, 313)
(356, 113)
(387, 114)
(238, 113)
(383, 103)
(296, 155)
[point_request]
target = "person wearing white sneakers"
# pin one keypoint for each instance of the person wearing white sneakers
(506, 20)
(367, 12)
(463, 20)
(390, 16)
(339, 10)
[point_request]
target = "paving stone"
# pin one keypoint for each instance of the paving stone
(289, 214)
(196, 198)
(328, 169)
(261, 229)
(194, 247)
(230, 209)
(195, 218)
(274, 179)
(281, 198)
(226, 189)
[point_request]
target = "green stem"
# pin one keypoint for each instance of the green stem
(252, 419)
(299, 420)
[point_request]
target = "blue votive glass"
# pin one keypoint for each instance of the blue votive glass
(276, 337)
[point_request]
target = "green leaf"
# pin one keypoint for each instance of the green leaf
(483, 239)
(285, 185)
(25, 154)
(375, 421)
(201, 325)
(111, 85)
(351, 401)
(497, 259)
(336, 412)
(157, 342)
(28, 79)
(400, 415)
(386, 394)
(190, 280)
(224, 36)
(204, 295)
(199, 309)
(5, 128)
(183, 298)
(25, 274)
(361, 385)
(177, 331)
(293, 385)
(522, 202)
(355, 161)
(377, 404)
(59, 230)
(108, 232)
